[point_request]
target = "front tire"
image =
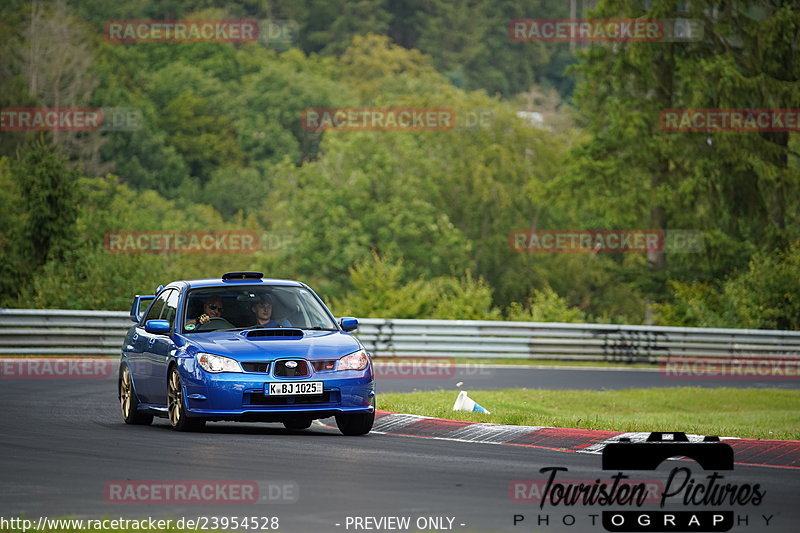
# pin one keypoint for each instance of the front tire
(355, 424)
(128, 401)
(178, 418)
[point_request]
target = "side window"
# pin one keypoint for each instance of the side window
(171, 307)
(158, 305)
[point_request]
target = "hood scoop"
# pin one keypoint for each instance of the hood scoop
(274, 333)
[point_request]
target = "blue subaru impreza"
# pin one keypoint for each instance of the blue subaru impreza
(243, 348)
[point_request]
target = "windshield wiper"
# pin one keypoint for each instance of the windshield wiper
(320, 328)
(263, 327)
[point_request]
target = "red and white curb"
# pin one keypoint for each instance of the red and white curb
(757, 452)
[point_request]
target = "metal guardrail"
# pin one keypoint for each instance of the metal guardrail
(551, 340)
(76, 333)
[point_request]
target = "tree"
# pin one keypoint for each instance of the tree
(545, 306)
(380, 289)
(364, 194)
(89, 276)
(632, 173)
(766, 295)
(14, 257)
(356, 17)
(372, 64)
(55, 58)
(49, 199)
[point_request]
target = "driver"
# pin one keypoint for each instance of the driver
(262, 308)
(212, 308)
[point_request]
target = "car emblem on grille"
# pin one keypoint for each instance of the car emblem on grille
(291, 364)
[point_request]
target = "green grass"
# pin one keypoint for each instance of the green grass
(754, 413)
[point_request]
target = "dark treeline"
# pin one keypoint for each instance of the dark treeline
(409, 224)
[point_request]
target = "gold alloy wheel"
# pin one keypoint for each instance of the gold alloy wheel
(125, 392)
(174, 398)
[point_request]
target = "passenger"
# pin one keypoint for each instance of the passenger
(212, 308)
(262, 309)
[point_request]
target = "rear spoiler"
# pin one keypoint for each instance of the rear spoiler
(139, 306)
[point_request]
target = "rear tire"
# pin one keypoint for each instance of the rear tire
(178, 418)
(297, 424)
(128, 401)
(356, 424)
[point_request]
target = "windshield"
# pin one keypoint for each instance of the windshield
(260, 306)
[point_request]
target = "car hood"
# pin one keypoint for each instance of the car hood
(312, 345)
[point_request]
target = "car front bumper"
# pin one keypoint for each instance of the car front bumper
(234, 395)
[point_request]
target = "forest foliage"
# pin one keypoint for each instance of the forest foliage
(408, 224)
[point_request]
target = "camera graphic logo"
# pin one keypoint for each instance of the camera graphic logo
(710, 454)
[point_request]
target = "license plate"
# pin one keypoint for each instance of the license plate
(297, 388)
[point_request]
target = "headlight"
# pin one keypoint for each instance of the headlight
(355, 361)
(216, 363)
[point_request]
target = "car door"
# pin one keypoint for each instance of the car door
(161, 349)
(136, 342)
(144, 380)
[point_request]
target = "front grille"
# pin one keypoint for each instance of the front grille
(255, 398)
(283, 371)
(256, 367)
(321, 366)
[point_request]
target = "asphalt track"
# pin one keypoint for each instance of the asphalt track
(407, 377)
(63, 442)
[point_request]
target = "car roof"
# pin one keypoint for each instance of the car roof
(218, 282)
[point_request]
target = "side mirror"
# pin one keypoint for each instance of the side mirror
(139, 306)
(348, 323)
(157, 327)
